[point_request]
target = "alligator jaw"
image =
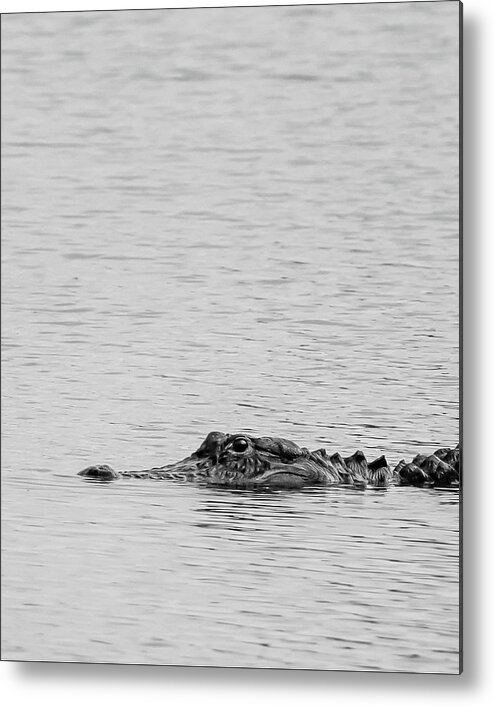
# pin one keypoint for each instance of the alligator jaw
(284, 479)
(289, 476)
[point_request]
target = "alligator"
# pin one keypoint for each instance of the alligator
(244, 461)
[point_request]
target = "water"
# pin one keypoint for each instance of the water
(232, 219)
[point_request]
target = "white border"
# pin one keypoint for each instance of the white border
(64, 5)
(82, 684)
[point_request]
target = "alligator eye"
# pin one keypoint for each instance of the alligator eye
(240, 445)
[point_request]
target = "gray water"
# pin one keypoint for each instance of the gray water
(232, 219)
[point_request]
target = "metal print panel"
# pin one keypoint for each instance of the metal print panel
(231, 236)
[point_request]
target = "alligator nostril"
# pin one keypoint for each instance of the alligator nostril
(240, 445)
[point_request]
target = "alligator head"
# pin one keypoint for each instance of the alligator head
(241, 461)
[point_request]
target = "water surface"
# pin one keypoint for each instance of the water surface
(232, 219)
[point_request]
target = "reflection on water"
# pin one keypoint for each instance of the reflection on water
(216, 222)
(167, 573)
